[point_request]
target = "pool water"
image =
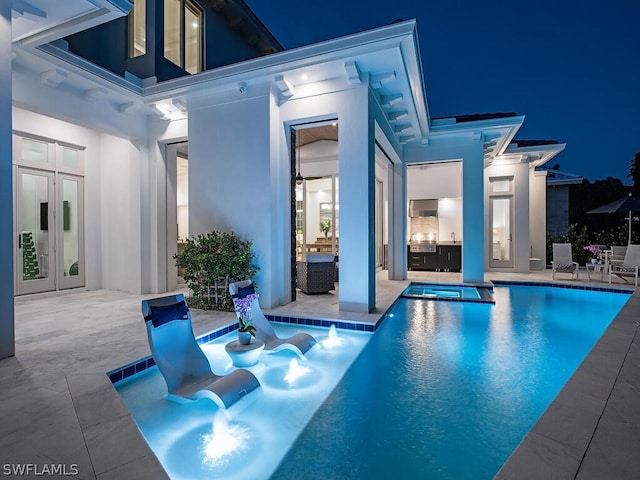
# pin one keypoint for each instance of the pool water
(442, 390)
(196, 440)
(447, 390)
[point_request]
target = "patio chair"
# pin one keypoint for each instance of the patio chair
(316, 274)
(299, 343)
(182, 362)
(629, 266)
(616, 257)
(563, 260)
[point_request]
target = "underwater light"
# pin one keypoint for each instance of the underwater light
(223, 441)
(296, 371)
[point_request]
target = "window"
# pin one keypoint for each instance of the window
(137, 29)
(501, 184)
(183, 34)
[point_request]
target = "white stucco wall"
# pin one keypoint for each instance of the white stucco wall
(231, 180)
(121, 215)
(113, 213)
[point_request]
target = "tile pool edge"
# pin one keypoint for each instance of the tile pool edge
(572, 433)
(138, 366)
(571, 286)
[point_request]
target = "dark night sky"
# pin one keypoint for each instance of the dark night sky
(571, 67)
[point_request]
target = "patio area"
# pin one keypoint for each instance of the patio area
(57, 406)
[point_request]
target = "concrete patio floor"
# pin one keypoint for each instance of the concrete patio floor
(58, 408)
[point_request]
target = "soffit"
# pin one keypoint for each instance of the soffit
(385, 59)
(536, 156)
(495, 134)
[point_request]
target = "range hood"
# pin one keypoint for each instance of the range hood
(423, 208)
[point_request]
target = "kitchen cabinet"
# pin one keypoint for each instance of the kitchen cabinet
(450, 258)
(444, 258)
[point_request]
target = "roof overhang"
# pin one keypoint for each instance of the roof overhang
(535, 156)
(495, 134)
(386, 60)
(36, 22)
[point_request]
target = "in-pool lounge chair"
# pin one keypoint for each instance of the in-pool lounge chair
(630, 265)
(563, 260)
(299, 343)
(182, 362)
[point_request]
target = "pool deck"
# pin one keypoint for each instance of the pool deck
(58, 408)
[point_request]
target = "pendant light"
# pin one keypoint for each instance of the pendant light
(299, 177)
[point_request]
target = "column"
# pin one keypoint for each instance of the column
(7, 323)
(356, 158)
(473, 251)
(398, 222)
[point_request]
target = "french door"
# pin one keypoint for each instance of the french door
(501, 218)
(36, 241)
(49, 231)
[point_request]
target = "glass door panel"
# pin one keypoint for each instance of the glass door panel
(379, 226)
(35, 231)
(501, 232)
(71, 228)
(321, 215)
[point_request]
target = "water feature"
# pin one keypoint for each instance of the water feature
(442, 390)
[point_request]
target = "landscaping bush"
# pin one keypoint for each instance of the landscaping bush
(210, 261)
(579, 237)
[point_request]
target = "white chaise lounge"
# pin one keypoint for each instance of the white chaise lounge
(629, 267)
(563, 260)
(182, 362)
(299, 343)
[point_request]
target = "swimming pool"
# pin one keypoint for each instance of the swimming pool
(442, 390)
(448, 389)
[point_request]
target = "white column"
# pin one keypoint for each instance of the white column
(398, 222)
(538, 215)
(473, 251)
(7, 323)
(356, 158)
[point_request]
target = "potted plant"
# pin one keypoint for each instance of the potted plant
(325, 227)
(595, 251)
(243, 309)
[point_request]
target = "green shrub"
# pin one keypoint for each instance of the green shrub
(579, 237)
(215, 259)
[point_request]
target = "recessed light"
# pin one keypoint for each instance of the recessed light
(304, 76)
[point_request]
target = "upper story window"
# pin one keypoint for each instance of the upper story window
(183, 34)
(137, 29)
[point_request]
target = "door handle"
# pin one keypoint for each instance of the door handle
(19, 241)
